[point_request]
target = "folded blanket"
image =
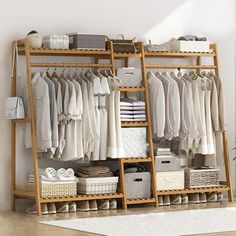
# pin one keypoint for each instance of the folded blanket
(94, 175)
(94, 171)
(127, 108)
(132, 112)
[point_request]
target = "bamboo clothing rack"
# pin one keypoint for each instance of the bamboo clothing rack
(25, 50)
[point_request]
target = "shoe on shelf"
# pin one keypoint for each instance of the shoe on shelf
(93, 205)
(160, 200)
(113, 204)
(103, 205)
(175, 199)
(202, 197)
(193, 198)
(72, 207)
(62, 207)
(184, 199)
(166, 200)
(32, 209)
(220, 197)
(51, 208)
(212, 197)
(83, 206)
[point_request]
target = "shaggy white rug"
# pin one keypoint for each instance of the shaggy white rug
(185, 222)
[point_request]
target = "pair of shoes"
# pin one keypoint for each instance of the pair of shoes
(195, 198)
(107, 205)
(87, 205)
(213, 197)
(65, 207)
(49, 208)
(32, 209)
(220, 197)
(166, 200)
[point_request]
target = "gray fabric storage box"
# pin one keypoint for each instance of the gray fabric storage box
(137, 185)
(167, 163)
(87, 41)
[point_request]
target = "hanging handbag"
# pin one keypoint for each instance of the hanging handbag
(123, 45)
(14, 108)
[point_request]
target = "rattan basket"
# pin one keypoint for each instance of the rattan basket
(204, 177)
(48, 190)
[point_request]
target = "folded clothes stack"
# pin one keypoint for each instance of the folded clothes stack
(93, 172)
(51, 175)
(132, 110)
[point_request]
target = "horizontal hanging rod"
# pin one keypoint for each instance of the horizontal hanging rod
(71, 65)
(180, 66)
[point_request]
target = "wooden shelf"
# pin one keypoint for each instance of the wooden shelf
(179, 54)
(136, 159)
(127, 55)
(64, 52)
(140, 201)
(221, 188)
(83, 197)
(134, 124)
(132, 89)
(24, 194)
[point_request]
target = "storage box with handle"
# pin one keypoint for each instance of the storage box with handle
(170, 180)
(129, 77)
(137, 185)
(14, 108)
(167, 163)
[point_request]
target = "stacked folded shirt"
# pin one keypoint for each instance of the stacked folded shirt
(93, 172)
(132, 110)
(51, 175)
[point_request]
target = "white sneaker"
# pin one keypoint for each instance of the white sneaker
(51, 208)
(113, 204)
(83, 205)
(62, 207)
(72, 207)
(93, 205)
(103, 205)
(32, 209)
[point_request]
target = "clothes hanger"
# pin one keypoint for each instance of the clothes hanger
(179, 74)
(54, 74)
(47, 73)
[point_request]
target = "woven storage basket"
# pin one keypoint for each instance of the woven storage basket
(201, 177)
(99, 185)
(48, 190)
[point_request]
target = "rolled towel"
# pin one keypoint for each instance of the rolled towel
(61, 173)
(51, 173)
(70, 172)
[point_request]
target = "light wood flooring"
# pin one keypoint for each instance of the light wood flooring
(22, 224)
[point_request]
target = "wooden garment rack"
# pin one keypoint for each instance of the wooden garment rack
(25, 50)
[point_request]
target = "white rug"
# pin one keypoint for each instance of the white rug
(156, 224)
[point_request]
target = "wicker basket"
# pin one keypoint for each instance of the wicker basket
(48, 190)
(99, 185)
(205, 177)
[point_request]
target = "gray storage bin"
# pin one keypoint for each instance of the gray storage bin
(138, 185)
(87, 41)
(168, 163)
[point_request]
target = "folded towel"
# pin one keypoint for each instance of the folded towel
(132, 112)
(93, 175)
(132, 108)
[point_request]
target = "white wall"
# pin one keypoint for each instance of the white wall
(158, 20)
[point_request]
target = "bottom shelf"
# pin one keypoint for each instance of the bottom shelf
(221, 188)
(140, 201)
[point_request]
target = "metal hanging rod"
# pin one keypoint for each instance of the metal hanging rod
(180, 66)
(71, 65)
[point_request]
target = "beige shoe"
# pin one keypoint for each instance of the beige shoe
(193, 198)
(83, 206)
(62, 207)
(32, 209)
(175, 199)
(93, 205)
(184, 199)
(103, 205)
(72, 207)
(202, 197)
(220, 197)
(51, 208)
(166, 200)
(160, 200)
(113, 204)
(212, 197)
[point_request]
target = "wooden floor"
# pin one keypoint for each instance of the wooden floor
(22, 224)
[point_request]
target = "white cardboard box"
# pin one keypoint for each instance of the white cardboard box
(190, 46)
(170, 180)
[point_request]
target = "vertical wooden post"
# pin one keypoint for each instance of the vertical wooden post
(13, 133)
(151, 151)
(224, 136)
(33, 128)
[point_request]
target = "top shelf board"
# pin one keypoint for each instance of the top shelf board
(179, 54)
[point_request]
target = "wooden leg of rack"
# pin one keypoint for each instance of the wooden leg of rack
(227, 166)
(122, 184)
